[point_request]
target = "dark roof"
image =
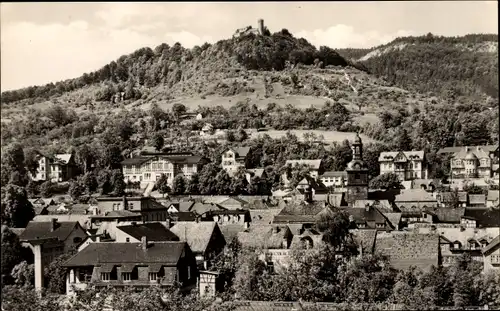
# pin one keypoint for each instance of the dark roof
(184, 159)
(446, 215)
(167, 253)
(42, 230)
(118, 214)
(181, 206)
(367, 216)
(135, 161)
(201, 208)
(299, 212)
(485, 217)
(154, 231)
(183, 216)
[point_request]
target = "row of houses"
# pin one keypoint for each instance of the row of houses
(142, 241)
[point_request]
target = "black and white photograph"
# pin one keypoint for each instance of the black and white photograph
(249, 156)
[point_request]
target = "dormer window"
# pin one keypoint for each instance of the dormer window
(456, 245)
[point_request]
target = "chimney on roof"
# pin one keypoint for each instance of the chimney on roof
(53, 223)
(247, 225)
(144, 243)
(276, 229)
(367, 207)
(467, 149)
(134, 223)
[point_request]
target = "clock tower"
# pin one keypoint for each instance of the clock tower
(357, 174)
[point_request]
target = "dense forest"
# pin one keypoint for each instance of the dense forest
(450, 67)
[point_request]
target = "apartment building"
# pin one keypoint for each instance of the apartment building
(474, 162)
(57, 168)
(148, 169)
(408, 165)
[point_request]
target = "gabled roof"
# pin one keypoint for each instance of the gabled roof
(166, 253)
(263, 216)
(314, 164)
(257, 172)
(183, 216)
(414, 195)
(393, 218)
(485, 217)
(181, 206)
(42, 230)
(63, 158)
(264, 236)
(409, 249)
(471, 153)
(364, 216)
(196, 234)
(119, 214)
(382, 205)
(296, 208)
(230, 231)
(477, 199)
(495, 242)
(202, 208)
(154, 231)
(408, 155)
(240, 152)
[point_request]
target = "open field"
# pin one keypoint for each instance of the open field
(329, 136)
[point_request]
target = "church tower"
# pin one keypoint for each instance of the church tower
(357, 174)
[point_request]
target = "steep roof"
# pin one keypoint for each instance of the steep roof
(201, 208)
(381, 205)
(196, 234)
(485, 217)
(257, 172)
(264, 236)
(364, 216)
(42, 230)
(167, 253)
(154, 231)
(63, 158)
(495, 242)
(393, 218)
(233, 201)
(409, 249)
(230, 231)
(314, 164)
(471, 153)
(409, 155)
(414, 195)
(181, 206)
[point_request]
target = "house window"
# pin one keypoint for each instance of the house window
(189, 272)
(127, 240)
(105, 276)
(495, 259)
(126, 276)
(153, 276)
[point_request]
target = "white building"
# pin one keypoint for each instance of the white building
(407, 165)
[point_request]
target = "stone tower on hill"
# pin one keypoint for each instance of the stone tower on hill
(261, 26)
(357, 174)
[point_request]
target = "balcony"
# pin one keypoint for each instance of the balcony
(147, 282)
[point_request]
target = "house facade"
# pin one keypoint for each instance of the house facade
(234, 158)
(473, 162)
(335, 179)
(408, 165)
(148, 169)
(315, 169)
(60, 167)
(491, 255)
(146, 207)
(143, 264)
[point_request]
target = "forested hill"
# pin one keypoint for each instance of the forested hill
(167, 65)
(450, 67)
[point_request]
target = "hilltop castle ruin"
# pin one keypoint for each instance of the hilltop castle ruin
(247, 30)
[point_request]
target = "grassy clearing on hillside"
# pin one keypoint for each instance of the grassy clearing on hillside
(329, 136)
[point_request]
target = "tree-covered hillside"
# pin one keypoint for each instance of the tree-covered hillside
(451, 67)
(168, 65)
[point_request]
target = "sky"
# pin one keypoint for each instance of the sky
(49, 42)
